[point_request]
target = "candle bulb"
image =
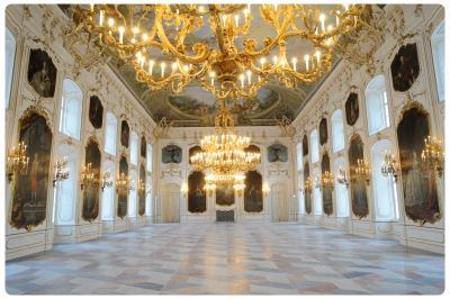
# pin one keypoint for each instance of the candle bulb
(317, 54)
(262, 61)
(174, 67)
(236, 20)
(337, 18)
(111, 22)
(307, 62)
(294, 63)
(151, 63)
(322, 22)
(101, 18)
(275, 60)
(163, 67)
(242, 78)
(249, 76)
(121, 32)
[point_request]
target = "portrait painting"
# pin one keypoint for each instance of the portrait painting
(225, 195)
(91, 192)
(253, 196)
(124, 133)
(197, 192)
(308, 202)
(171, 154)
(141, 191)
(30, 188)
(327, 191)
(323, 131)
(419, 182)
(42, 73)
(277, 153)
(352, 108)
(358, 191)
(193, 150)
(95, 112)
(122, 199)
(305, 145)
(143, 147)
(405, 67)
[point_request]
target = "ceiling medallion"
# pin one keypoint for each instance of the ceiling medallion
(157, 40)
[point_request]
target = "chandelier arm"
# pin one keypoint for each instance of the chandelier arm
(201, 49)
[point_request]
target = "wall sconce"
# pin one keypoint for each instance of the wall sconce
(107, 182)
(88, 177)
(308, 185)
(362, 170)
(266, 189)
(184, 188)
(141, 186)
(327, 180)
(390, 166)
(316, 182)
(17, 160)
(122, 183)
(239, 188)
(342, 177)
(210, 188)
(433, 155)
(61, 171)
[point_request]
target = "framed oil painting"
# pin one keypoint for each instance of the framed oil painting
(143, 147)
(305, 145)
(193, 150)
(122, 199)
(327, 191)
(196, 193)
(124, 133)
(95, 112)
(352, 108)
(42, 73)
(277, 153)
(419, 183)
(225, 195)
(358, 189)
(141, 191)
(323, 131)
(30, 188)
(91, 193)
(308, 203)
(405, 67)
(253, 196)
(171, 154)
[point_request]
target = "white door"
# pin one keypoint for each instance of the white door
(279, 203)
(171, 203)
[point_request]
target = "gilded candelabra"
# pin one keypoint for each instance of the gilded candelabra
(266, 189)
(154, 38)
(390, 166)
(141, 186)
(107, 181)
(184, 188)
(62, 171)
(433, 155)
(123, 183)
(88, 176)
(17, 161)
(308, 185)
(327, 180)
(342, 177)
(362, 170)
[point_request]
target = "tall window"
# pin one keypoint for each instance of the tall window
(377, 105)
(314, 146)
(299, 156)
(10, 56)
(337, 130)
(342, 203)
(134, 148)
(111, 134)
(132, 196)
(71, 105)
(108, 195)
(149, 160)
(384, 188)
(438, 48)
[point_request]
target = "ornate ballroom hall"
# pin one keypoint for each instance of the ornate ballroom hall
(193, 149)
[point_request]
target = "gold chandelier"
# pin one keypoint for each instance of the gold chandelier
(223, 155)
(160, 42)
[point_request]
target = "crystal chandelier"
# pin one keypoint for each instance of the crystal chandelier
(362, 170)
(163, 45)
(223, 155)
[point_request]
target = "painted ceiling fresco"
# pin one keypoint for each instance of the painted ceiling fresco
(196, 107)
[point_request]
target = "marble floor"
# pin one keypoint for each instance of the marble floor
(228, 258)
